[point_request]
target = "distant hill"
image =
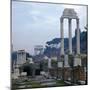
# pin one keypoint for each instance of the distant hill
(53, 46)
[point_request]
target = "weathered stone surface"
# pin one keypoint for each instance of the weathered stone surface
(77, 60)
(69, 13)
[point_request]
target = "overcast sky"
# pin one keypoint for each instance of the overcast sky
(36, 23)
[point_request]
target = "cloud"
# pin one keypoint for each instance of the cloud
(34, 12)
(36, 23)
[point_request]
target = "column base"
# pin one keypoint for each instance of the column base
(66, 62)
(60, 64)
(77, 60)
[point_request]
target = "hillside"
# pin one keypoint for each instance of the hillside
(53, 46)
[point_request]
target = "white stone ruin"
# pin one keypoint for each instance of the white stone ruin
(38, 49)
(70, 14)
(21, 59)
(23, 74)
(60, 64)
(49, 63)
(15, 74)
(77, 61)
(30, 60)
(66, 64)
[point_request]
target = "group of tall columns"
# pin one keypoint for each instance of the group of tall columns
(70, 41)
(70, 36)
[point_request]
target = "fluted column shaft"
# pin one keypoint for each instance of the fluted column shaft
(49, 63)
(78, 37)
(62, 36)
(70, 36)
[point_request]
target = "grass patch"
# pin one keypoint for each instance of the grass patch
(60, 83)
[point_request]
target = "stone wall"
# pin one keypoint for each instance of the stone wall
(73, 74)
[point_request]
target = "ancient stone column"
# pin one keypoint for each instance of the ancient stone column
(62, 36)
(66, 63)
(70, 36)
(78, 37)
(49, 63)
(60, 64)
